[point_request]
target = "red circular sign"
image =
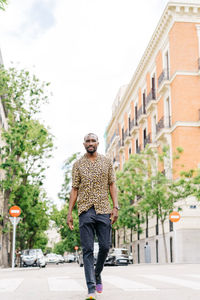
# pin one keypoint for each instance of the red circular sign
(15, 211)
(76, 247)
(174, 216)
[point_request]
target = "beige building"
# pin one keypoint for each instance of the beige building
(53, 235)
(161, 106)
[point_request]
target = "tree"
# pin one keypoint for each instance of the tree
(130, 182)
(69, 238)
(27, 146)
(150, 190)
(2, 4)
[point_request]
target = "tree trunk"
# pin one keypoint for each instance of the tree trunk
(165, 243)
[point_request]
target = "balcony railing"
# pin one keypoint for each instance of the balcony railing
(147, 140)
(139, 112)
(138, 149)
(151, 96)
(163, 76)
(126, 134)
(161, 124)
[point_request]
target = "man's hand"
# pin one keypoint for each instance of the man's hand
(70, 221)
(114, 215)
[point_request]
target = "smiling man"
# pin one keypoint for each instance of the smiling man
(93, 180)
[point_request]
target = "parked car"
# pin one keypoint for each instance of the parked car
(130, 258)
(32, 257)
(69, 258)
(117, 256)
(52, 258)
(60, 258)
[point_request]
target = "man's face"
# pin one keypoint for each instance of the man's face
(91, 143)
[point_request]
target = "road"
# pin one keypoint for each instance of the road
(133, 282)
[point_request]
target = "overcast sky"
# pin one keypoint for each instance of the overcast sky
(87, 49)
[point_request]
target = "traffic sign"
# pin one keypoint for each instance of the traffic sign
(174, 216)
(15, 211)
(76, 247)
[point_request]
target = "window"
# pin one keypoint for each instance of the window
(144, 137)
(171, 226)
(157, 251)
(129, 125)
(138, 252)
(122, 136)
(147, 226)
(154, 128)
(167, 113)
(153, 87)
(157, 225)
(171, 249)
(129, 150)
(136, 146)
(166, 64)
(144, 102)
(136, 115)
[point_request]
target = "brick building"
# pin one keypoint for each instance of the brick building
(161, 106)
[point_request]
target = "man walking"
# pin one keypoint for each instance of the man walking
(93, 180)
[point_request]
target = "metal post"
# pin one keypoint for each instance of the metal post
(13, 248)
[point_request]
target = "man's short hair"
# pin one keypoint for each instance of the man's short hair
(91, 134)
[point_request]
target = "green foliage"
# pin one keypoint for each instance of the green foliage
(2, 4)
(26, 148)
(69, 238)
(145, 191)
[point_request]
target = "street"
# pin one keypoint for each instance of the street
(134, 282)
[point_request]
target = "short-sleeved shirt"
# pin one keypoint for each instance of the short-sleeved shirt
(92, 179)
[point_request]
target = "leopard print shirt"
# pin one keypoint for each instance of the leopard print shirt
(92, 179)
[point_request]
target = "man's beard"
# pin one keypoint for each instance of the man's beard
(92, 150)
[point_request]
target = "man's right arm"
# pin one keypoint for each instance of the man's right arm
(72, 201)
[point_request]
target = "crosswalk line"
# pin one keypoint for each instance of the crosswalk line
(10, 285)
(64, 284)
(194, 275)
(128, 285)
(173, 280)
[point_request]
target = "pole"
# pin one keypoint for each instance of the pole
(13, 247)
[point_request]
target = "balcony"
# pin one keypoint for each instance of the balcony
(138, 149)
(127, 136)
(151, 100)
(162, 127)
(116, 162)
(134, 126)
(147, 140)
(121, 145)
(141, 114)
(163, 81)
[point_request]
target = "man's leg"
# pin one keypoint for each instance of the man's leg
(87, 232)
(103, 231)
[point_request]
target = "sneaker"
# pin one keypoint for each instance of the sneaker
(99, 285)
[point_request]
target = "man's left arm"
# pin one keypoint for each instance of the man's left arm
(113, 194)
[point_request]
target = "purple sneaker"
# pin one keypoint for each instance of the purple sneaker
(99, 287)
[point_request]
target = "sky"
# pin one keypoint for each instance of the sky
(87, 50)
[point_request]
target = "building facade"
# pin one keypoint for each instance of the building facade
(161, 106)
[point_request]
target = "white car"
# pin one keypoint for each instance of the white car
(52, 258)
